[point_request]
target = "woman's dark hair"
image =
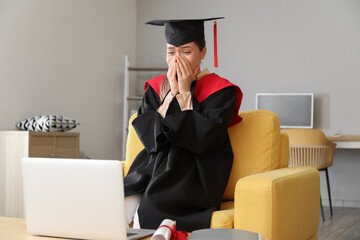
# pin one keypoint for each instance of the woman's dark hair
(201, 44)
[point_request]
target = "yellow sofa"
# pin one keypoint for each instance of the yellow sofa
(263, 195)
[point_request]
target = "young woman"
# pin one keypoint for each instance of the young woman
(183, 171)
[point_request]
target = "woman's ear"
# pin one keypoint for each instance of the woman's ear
(203, 53)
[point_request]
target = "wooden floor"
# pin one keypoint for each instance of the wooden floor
(344, 225)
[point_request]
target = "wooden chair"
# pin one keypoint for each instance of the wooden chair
(310, 147)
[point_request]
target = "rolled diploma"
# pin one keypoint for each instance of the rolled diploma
(163, 233)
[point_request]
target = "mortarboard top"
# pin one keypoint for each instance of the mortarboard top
(182, 31)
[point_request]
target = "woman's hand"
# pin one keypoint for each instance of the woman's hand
(171, 75)
(185, 74)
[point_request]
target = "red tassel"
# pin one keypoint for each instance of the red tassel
(215, 45)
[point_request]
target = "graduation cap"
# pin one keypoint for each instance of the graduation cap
(181, 31)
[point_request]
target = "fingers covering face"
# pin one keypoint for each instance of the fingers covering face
(172, 70)
(184, 66)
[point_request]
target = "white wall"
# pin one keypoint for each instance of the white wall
(280, 46)
(66, 57)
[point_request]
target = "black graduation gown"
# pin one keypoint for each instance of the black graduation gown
(184, 169)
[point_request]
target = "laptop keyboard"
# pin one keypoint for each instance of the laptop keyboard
(130, 234)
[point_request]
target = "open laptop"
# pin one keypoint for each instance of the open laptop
(76, 198)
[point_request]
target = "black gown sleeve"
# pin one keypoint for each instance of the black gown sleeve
(148, 125)
(204, 128)
(198, 130)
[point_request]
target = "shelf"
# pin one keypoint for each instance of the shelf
(137, 98)
(147, 69)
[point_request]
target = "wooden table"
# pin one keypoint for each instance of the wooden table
(15, 229)
(346, 141)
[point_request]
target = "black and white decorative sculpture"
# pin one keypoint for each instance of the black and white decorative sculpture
(47, 123)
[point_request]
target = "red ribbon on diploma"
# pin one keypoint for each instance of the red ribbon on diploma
(176, 235)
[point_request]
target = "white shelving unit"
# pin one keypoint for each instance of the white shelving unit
(128, 98)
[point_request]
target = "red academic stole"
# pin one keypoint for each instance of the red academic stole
(206, 86)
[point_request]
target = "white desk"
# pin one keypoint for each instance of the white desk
(346, 141)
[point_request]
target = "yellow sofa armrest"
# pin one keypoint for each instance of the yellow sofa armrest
(281, 204)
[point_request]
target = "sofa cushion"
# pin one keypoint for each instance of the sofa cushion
(224, 218)
(255, 142)
(133, 145)
(284, 150)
